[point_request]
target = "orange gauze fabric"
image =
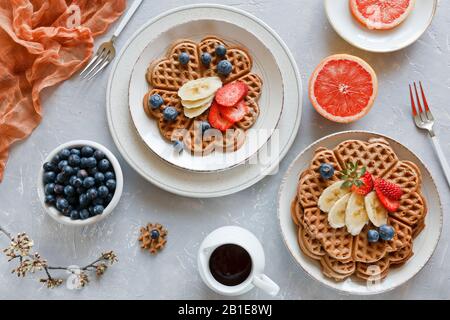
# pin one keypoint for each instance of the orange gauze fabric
(42, 42)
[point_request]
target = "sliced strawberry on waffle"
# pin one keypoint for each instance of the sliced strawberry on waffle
(235, 113)
(366, 187)
(231, 94)
(388, 193)
(216, 119)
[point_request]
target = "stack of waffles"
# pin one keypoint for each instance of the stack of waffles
(167, 75)
(340, 254)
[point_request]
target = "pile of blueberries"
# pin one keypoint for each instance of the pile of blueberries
(79, 182)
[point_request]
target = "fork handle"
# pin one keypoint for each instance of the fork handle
(441, 157)
(127, 17)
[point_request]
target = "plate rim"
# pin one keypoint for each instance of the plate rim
(289, 172)
(406, 44)
(249, 155)
(264, 170)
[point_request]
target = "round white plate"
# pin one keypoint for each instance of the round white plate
(188, 183)
(270, 102)
(424, 244)
(342, 20)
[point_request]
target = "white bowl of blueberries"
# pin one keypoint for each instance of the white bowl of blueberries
(80, 183)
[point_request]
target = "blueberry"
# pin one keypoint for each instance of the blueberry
(75, 151)
(221, 51)
(156, 101)
(206, 59)
(56, 160)
(326, 170)
(82, 174)
(387, 232)
(83, 162)
(87, 152)
(69, 191)
(92, 171)
(178, 146)
(62, 164)
(73, 201)
(74, 160)
(91, 162)
(373, 235)
(111, 184)
(66, 211)
(109, 198)
(92, 193)
(205, 126)
(91, 211)
(89, 182)
(98, 201)
(49, 189)
(67, 171)
(104, 165)
(50, 199)
(64, 154)
(74, 215)
(109, 175)
(49, 177)
(62, 204)
(84, 200)
(61, 178)
(154, 234)
(81, 190)
(103, 191)
(84, 214)
(59, 189)
(99, 155)
(99, 178)
(184, 58)
(48, 166)
(170, 113)
(98, 209)
(224, 67)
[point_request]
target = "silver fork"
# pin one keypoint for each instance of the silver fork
(106, 52)
(425, 120)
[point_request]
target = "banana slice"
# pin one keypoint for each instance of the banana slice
(331, 195)
(355, 214)
(375, 210)
(198, 103)
(336, 216)
(199, 89)
(192, 113)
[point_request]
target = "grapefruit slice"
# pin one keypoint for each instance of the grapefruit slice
(343, 88)
(381, 14)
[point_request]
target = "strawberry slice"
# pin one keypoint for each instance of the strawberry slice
(230, 94)
(236, 113)
(217, 120)
(389, 189)
(390, 205)
(367, 186)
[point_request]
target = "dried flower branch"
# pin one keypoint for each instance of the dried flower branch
(20, 249)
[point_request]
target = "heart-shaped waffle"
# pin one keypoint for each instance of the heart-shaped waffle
(372, 260)
(167, 75)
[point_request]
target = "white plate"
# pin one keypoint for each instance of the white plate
(424, 244)
(342, 20)
(159, 172)
(264, 64)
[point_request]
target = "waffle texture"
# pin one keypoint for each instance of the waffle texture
(167, 75)
(340, 254)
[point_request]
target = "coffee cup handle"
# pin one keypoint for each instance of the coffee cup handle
(266, 284)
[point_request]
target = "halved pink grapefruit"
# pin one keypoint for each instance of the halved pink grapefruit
(381, 14)
(343, 88)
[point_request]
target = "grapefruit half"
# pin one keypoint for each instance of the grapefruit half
(381, 14)
(343, 88)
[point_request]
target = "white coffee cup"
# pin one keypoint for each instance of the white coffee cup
(246, 240)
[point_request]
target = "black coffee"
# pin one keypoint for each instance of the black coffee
(230, 264)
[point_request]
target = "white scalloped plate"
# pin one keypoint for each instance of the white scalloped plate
(343, 22)
(184, 182)
(423, 247)
(270, 102)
